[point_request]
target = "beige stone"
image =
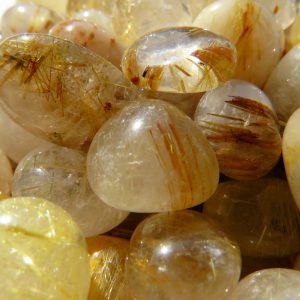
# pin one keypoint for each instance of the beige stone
(6, 174)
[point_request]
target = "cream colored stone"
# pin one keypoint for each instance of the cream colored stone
(151, 157)
(6, 174)
(60, 6)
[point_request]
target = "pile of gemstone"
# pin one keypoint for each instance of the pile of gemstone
(117, 118)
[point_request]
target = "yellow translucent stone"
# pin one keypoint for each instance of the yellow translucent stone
(259, 215)
(59, 90)
(293, 36)
(107, 261)
(6, 174)
(151, 157)
(42, 252)
(179, 60)
(181, 255)
(103, 5)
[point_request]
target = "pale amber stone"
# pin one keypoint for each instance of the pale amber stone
(259, 215)
(107, 261)
(42, 252)
(22, 18)
(252, 28)
(6, 174)
(181, 255)
(269, 284)
(58, 89)
(103, 5)
(293, 35)
(291, 154)
(59, 174)
(60, 6)
(241, 125)
(179, 60)
(151, 157)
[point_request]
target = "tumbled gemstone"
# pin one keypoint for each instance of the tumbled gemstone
(60, 6)
(151, 157)
(239, 122)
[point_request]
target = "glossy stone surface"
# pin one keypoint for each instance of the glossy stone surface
(291, 154)
(59, 90)
(151, 157)
(107, 261)
(22, 18)
(42, 252)
(182, 255)
(60, 6)
(259, 215)
(283, 85)
(91, 36)
(180, 60)
(6, 174)
(106, 6)
(59, 174)
(252, 29)
(275, 284)
(239, 122)
(293, 35)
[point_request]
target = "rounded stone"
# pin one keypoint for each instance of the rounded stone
(6, 174)
(59, 6)
(275, 284)
(59, 175)
(181, 255)
(260, 215)
(42, 252)
(179, 60)
(151, 157)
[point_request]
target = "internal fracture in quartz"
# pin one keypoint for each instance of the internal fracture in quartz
(42, 252)
(181, 255)
(107, 261)
(59, 174)
(59, 90)
(6, 175)
(252, 28)
(239, 122)
(180, 60)
(28, 18)
(151, 157)
(259, 215)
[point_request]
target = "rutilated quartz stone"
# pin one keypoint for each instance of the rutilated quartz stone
(151, 157)
(291, 154)
(42, 252)
(91, 36)
(259, 215)
(6, 174)
(275, 284)
(107, 261)
(239, 122)
(179, 60)
(58, 89)
(28, 18)
(181, 255)
(60, 6)
(59, 174)
(252, 28)
(283, 85)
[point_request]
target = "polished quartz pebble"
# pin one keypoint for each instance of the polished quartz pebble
(293, 34)
(91, 36)
(179, 60)
(151, 157)
(106, 6)
(42, 252)
(269, 284)
(107, 261)
(239, 122)
(252, 29)
(59, 90)
(291, 154)
(22, 18)
(259, 215)
(60, 6)
(58, 174)
(181, 255)
(6, 175)
(283, 85)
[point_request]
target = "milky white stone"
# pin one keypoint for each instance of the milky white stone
(6, 174)
(151, 157)
(23, 18)
(253, 30)
(60, 6)
(59, 174)
(275, 284)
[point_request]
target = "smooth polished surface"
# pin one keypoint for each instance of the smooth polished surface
(6, 174)
(181, 255)
(179, 60)
(240, 123)
(151, 157)
(259, 215)
(293, 35)
(60, 6)
(42, 252)
(59, 175)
